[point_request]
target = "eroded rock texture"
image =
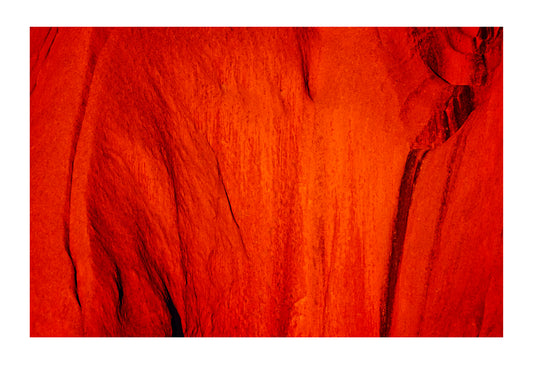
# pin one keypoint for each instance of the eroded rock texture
(266, 182)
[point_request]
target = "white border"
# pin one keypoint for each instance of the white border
(24, 356)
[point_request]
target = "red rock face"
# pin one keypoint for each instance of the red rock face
(266, 182)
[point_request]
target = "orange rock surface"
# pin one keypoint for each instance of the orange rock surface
(266, 182)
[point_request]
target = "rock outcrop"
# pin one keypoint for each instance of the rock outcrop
(266, 182)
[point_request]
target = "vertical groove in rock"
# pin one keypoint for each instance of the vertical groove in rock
(453, 166)
(39, 60)
(303, 36)
(51, 43)
(410, 174)
(175, 318)
(94, 49)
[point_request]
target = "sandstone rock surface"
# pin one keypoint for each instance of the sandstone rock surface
(266, 182)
